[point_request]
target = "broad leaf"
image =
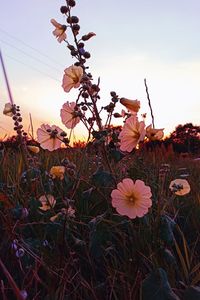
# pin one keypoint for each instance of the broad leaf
(157, 287)
(192, 293)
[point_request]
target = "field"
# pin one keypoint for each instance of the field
(115, 217)
(89, 251)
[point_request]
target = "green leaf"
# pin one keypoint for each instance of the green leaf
(192, 293)
(166, 229)
(169, 257)
(157, 287)
(102, 178)
(116, 155)
(99, 235)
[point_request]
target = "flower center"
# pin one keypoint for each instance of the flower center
(76, 79)
(131, 199)
(177, 187)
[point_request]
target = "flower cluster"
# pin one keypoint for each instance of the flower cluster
(134, 131)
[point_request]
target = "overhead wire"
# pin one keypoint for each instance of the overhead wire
(29, 55)
(32, 48)
(31, 67)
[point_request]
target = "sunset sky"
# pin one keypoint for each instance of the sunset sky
(153, 39)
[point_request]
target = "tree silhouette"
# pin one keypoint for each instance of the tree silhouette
(186, 138)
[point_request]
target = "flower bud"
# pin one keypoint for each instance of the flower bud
(24, 294)
(71, 3)
(85, 95)
(95, 88)
(113, 94)
(71, 47)
(117, 115)
(74, 19)
(63, 133)
(69, 20)
(132, 105)
(88, 36)
(81, 45)
(64, 9)
(86, 55)
(19, 253)
(75, 27)
(74, 53)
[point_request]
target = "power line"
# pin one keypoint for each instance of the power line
(32, 48)
(31, 56)
(33, 68)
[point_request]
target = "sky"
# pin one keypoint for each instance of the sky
(153, 39)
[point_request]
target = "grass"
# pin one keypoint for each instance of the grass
(97, 254)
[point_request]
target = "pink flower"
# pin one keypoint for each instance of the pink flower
(69, 115)
(49, 137)
(47, 201)
(154, 134)
(131, 199)
(123, 113)
(132, 105)
(132, 133)
(59, 32)
(72, 78)
(8, 110)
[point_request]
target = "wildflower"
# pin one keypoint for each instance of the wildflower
(180, 187)
(8, 110)
(59, 32)
(47, 201)
(154, 134)
(132, 105)
(71, 212)
(24, 294)
(14, 245)
(57, 171)
(72, 78)
(33, 149)
(19, 252)
(49, 137)
(132, 133)
(132, 199)
(69, 115)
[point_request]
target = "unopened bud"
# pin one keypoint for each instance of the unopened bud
(19, 253)
(64, 9)
(74, 19)
(88, 36)
(117, 115)
(71, 3)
